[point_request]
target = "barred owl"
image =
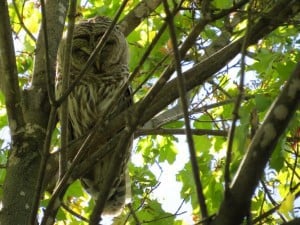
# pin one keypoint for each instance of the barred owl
(92, 94)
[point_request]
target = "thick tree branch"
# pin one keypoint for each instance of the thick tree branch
(161, 131)
(137, 15)
(55, 25)
(9, 76)
(48, 64)
(175, 113)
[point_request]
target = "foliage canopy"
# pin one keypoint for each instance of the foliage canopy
(239, 61)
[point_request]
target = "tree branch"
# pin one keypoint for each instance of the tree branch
(137, 15)
(175, 113)
(55, 25)
(48, 64)
(21, 21)
(9, 76)
(162, 131)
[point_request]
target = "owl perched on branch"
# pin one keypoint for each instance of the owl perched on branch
(87, 101)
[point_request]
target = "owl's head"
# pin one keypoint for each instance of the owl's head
(87, 34)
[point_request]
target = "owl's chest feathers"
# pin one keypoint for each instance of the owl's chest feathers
(89, 99)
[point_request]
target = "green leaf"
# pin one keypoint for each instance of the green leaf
(152, 213)
(167, 150)
(222, 4)
(75, 190)
(277, 158)
(262, 102)
(203, 122)
(175, 124)
(188, 186)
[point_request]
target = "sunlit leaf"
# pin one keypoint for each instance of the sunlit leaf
(288, 204)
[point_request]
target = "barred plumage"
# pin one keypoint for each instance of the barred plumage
(89, 98)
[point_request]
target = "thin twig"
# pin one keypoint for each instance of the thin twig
(162, 218)
(132, 212)
(150, 74)
(265, 215)
(68, 209)
(21, 21)
(271, 199)
(148, 50)
(182, 94)
(294, 166)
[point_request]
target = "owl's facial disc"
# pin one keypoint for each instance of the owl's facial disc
(104, 55)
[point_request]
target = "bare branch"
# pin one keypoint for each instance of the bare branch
(21, 21)
(68, 209)
(49, 35)
(176, 113)
(136, 16)
(9, 75)
(149, 49)
(49, 76)
(161, 131)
